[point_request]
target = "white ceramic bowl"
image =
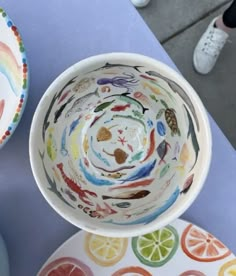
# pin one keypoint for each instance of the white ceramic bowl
(120, 144)
(13, 77)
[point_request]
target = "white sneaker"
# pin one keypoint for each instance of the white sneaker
(208, 48)
(140, 3)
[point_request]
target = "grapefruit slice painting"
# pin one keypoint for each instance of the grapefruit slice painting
(66, 266)
(201, 246)
(132, 270)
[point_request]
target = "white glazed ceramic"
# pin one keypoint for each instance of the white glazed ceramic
(120, 144)
(179, 249)
(13, 77)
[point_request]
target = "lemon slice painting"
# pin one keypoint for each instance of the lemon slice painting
(105, 251)
(156, 248)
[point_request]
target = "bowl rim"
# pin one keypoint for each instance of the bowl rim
(175, 212)
(23, 97)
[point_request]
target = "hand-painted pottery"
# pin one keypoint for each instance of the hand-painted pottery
(120, 145)
(180, 249)
(13, 77)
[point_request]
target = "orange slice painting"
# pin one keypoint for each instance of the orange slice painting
(201, 246)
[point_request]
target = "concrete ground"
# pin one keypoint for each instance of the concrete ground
(178, 24)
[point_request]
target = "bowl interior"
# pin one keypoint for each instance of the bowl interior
(117, 144)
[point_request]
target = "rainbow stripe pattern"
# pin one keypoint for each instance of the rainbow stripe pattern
(16, 74)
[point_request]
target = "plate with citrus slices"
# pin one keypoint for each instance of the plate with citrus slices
(180, 248)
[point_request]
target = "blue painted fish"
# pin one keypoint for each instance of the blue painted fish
(151, 217)
(73, 125)
(162, 150)
(93, 179)
(122, 204)
(80, 102)
(64, 151)
(142, 172)
(161, 128)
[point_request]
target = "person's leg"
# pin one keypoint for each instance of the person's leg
(229, 16)
(213, 40)
(140, 3)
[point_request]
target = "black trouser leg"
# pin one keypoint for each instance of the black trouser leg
(229, 16)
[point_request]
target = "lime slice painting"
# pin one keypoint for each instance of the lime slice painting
(156, 248)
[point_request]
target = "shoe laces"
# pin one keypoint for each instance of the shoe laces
(214, 44)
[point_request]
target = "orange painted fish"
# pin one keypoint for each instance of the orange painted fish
(141, 183)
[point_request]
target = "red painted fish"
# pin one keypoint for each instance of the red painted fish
(187, 184)
(147, 77)
(152, 146)
(96, 119)
(62, 98)
(82, 194)
(141, 183)
(120, 107)
(2, 104)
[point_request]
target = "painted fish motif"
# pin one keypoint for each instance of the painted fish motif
(61, 109)
(187, 184)
(152, 216)
(64, 151)
(191, 132)
(96, 119)
(73, 125)
(140, 96)
(115, 175)
(164, 170)
(73, 143)
(172, 121)
(184, 154)
(62, 98)
(118, 108)
(122, 204)
(152, 88)
(136, 157)
(124, 97)
(46, 123)
(177, 89)
(137, 114)
(132, 185)
(51, 145)
(130, 147)
(56, 174)
(110, 65)
(104, 212)
(153, 97)
(162, 151)
(83, 84)
(176, 150)
(103, 134)
(147, 77)
(2, 105)
(131, 118)
(52, 184)
(98, 154)
(69, 194)
(129, 195)
(93, 179)
(76, 187)
(142, 172)
(79, 103)
(85, 144)
(116, 170)
(161, 128)
(103, 106)
(151, 147)
(119, 154)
